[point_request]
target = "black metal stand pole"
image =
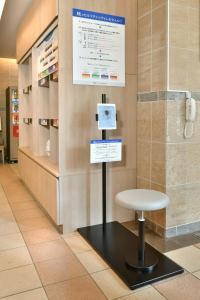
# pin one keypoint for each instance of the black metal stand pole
(104, 173)
(141, 241)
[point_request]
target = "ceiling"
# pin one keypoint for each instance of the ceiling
(13, 12)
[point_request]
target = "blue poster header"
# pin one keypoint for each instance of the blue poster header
(97, 16)
(105, 141)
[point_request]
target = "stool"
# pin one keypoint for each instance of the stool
(142, 200)
(2, 152)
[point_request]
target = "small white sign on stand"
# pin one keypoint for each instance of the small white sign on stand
(105, 150)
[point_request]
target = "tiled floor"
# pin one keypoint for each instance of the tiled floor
(37, 263)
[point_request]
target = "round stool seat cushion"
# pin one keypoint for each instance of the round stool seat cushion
(142, 199)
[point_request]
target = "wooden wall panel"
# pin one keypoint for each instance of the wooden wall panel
(48, 11)
(77, 125)
(36, 20)
(41, 183)
(81, 100)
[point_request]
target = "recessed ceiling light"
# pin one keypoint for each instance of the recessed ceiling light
(2, 3)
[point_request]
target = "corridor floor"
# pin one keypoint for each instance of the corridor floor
(37, 263)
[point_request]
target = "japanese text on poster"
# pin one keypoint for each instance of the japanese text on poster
(98, 48)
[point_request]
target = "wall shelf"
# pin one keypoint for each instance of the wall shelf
(54, 123)
(26, 90)
(54, 76)
(27, 121)
(44, 122)
(44, 82)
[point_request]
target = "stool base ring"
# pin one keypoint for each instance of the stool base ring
(150, 262)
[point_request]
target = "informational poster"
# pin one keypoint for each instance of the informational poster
(106, 116)
(98, 48)
(105, 151)
(48, 57)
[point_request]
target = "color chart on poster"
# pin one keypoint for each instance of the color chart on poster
(98, 48)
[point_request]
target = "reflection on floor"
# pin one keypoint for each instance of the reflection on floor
(36, 263)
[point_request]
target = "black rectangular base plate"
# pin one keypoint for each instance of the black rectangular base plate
(113, 242)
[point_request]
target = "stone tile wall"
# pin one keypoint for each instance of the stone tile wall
(152, 40)
(168, 162)
(184, 62)
(169, 65)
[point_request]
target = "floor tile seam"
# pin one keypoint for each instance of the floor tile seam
(193, 271)
(37, 273)
(99, 288)
(46, 228)
(106, 269)
(93, 251)
(16, 223)
(11, 201)
(11, 209)
(156, 284)
(160, 292)
(9, 249)
(193, 274)
(14, 168)
(38, 261)
(24, 219)
(75, 255)
(22, 209)
(19, 189)
(75, 252)
(139, 290)
(4, 234)
(31, 229)
(18, 267)
(49, 229)
(89, 250)
(66, 280)
(39, 243)
(40, 212)
(131, 291)
(126, 295)
(45, 260)
(21, 233)
(26, 245)
(37, 288)
(90, 273)
(29, 252)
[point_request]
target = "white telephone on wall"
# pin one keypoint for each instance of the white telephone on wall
(190, 115)
(190, 110)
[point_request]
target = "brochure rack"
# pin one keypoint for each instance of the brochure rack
(39, 133)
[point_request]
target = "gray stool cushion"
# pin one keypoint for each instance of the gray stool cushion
(142, 199)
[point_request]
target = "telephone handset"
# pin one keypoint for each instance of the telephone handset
(190, 115)
(190, 110)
